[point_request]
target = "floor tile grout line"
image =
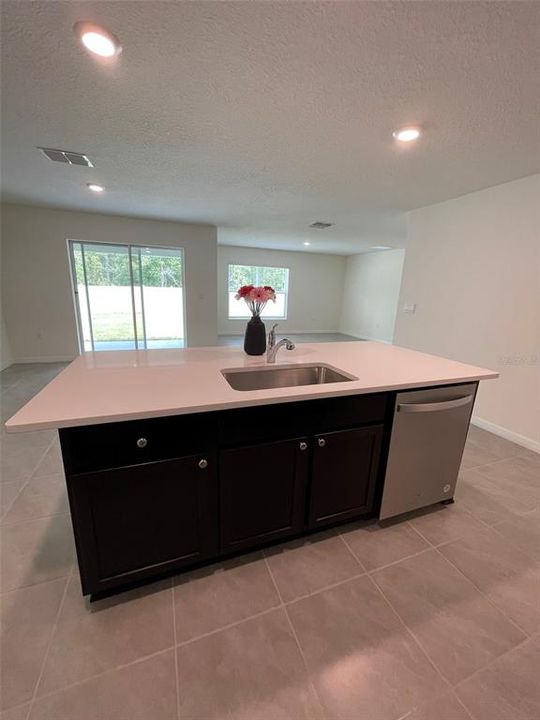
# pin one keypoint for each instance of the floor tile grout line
(460, 701)
(38, 517)
(512, 543)
(483, 594)
(396, 562)
(493, 462)
(355, 556)
(108, 671)
(49, 644)
(281, 604)
(324, 588)
(457, 539)
(492, 662)
(175, 652)
(274, 583)
(23, 486)
(49, 447)
(409, 523)
(15, 707)
(31, 520)
(433, 664)
(424, 538)
(474, 517)
(183, 643)
(295, 636)
(304, 661)
(451, 692)
(28, 479)
(33, 584)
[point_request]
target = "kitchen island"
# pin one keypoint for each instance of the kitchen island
(168, 466)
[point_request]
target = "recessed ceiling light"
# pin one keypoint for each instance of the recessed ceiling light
(94, 187)
(307, 243)
(407, 134)
(381, 247)
(97, 40)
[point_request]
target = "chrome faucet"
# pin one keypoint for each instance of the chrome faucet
(273, 347)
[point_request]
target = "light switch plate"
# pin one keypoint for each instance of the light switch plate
(409, 308)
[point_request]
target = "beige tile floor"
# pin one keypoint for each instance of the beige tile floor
(437, 616)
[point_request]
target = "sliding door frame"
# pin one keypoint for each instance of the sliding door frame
(71, 243)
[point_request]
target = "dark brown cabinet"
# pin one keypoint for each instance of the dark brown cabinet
(343, 474)
(135, 521)
(157, 495)
(262, 492)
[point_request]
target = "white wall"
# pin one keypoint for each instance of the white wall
(36, 287)
(472, 267)
(315, 288)
(6, 357)
(371, 294)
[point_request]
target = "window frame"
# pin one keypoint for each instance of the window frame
(266, 317)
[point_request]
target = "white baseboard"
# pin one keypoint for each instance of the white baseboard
(374, 339)
(47, 359)
(503, 432)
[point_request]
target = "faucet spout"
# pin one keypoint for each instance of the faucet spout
(273, 348)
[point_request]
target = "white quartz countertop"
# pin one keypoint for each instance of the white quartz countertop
(130, 384)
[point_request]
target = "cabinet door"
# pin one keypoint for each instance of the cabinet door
(262, 492)
(344, 473)
(138, 521)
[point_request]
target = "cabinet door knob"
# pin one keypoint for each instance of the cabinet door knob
(303, 445)
(321, 442)
(142, 442)
(203, 464)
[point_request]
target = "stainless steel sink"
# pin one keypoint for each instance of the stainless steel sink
(284, 376)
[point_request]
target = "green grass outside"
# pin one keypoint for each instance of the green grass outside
(118, 326)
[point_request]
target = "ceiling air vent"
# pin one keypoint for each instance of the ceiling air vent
(66, 156)
(320, 225)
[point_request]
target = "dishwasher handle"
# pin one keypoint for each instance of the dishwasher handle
(434, 406)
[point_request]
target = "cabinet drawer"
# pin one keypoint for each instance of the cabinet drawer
(349, 411)
(114, 445)
(286, 420)
(263, 423)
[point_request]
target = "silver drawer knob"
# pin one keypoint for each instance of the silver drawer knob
(203, 464)
(303, 446)
(321, 442)
(142, 442)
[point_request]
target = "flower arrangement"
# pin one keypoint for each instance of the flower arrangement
(256, 297)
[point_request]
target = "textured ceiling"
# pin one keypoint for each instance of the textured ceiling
(262, 117)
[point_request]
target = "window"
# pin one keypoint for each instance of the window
(128, 297)
(278, 278)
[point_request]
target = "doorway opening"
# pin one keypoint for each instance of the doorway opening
(128, 297)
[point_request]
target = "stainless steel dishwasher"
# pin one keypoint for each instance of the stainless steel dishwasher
(428, 436)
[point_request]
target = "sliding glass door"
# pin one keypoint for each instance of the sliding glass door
(127, 296)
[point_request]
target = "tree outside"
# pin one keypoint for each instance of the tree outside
(239, 275)
(112, 268)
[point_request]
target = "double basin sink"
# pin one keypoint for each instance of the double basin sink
(284, 376)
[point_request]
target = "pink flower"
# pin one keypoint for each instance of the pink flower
(256, 297)
(243, 292)
(258, 294)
